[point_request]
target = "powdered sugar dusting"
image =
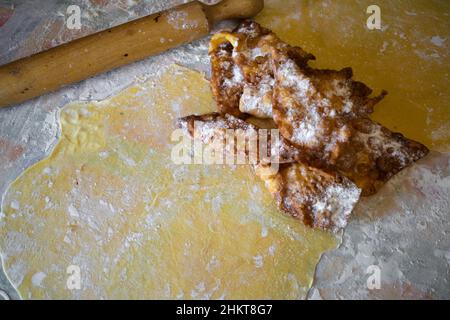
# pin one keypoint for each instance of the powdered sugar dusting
(310, 108)
(257, 100)
(236, 79)
(330, 200)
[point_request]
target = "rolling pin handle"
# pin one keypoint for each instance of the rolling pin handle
(233, 9)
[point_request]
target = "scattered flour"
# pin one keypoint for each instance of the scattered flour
(38, 278)
(438, 41)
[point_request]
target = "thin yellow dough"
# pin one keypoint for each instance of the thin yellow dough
(110, 200)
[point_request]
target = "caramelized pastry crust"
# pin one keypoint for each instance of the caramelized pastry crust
(330, 150)
(325, 113)
(374, 154)
(226, 80)
(317, 198)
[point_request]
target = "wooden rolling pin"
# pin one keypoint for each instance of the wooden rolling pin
(78, 60)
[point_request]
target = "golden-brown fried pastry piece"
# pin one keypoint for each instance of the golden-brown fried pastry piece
(314, 108)
(251, 51)
(247, 55)
(329, 142)
(241, 54)
(317, 198)
(374, 154)
(325, 114)
(226, 79)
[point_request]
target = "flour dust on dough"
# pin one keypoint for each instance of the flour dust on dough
(110, 201)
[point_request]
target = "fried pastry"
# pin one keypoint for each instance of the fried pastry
(249, 56)
(245, 70)
(226, 79)
(322, 112)
(325, 114)
(314, 108)
(330, 151)
(374, 154)
(213, 126)
(317, 198)
(327, 96)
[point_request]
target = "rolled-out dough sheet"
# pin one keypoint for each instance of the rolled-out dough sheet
(110, 201)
